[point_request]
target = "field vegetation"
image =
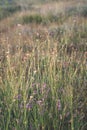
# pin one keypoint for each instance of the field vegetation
(43, 65)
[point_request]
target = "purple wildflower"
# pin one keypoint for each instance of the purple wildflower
(18, 97)
(44, 85)
(29, 106)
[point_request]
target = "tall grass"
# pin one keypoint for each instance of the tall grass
(43, 77)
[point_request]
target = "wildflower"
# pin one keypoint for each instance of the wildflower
(59, 104)
(39, 102)
(60, 117)
(44, 85)
(19, 25)
(34, 92)
(19, 34)
(85, 54)
(37, 34)
(28, 106)
(18, 97)
(43, 88)
(41, 107)
(31, 97)
(35, 71)
(65, 64)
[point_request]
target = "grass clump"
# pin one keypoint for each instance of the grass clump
(32, 19)
(83, 11)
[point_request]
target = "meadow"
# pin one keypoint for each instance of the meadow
(43, 66)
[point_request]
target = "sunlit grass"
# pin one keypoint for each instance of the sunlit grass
(43, 73)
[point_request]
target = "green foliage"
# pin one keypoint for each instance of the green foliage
(83, 11)
(32, 19)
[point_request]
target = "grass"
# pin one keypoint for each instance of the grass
(43, 71)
